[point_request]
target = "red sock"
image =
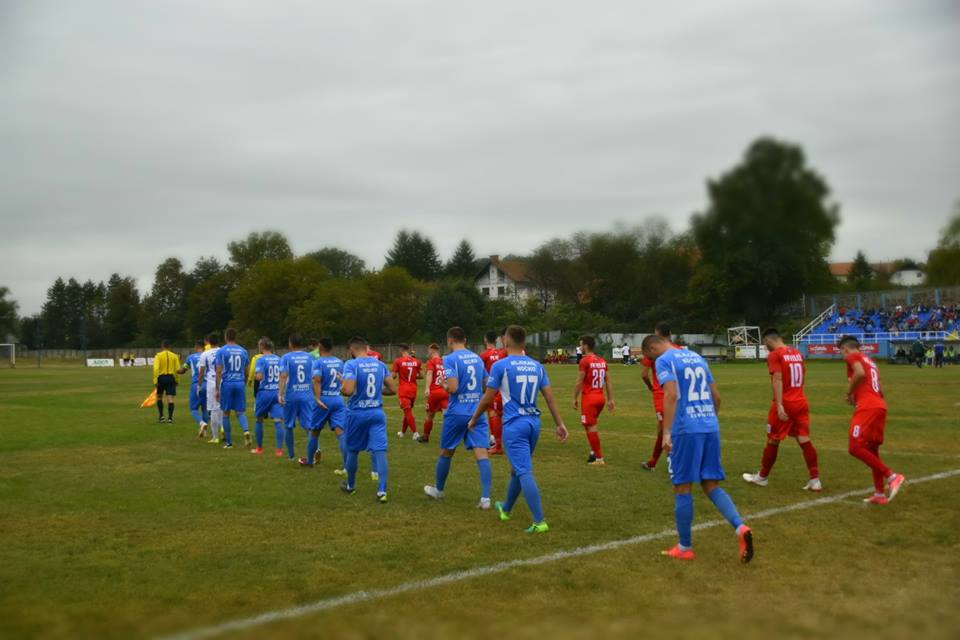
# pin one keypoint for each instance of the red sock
(869, 456)
(427, 427)
(403, 428)
(810, 457)
(594, 438)
(409, 419)
(496, 430)
(657, 448)
(769, 457)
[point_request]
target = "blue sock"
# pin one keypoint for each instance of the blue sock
(486, 477)
(258, 428)
(281, 434)
(313, 443)
(382, 468)
(288, 436)
(226, 429)
(352, 463)
(244, 424)
(531, 492)
(206, 416)
(343, 448)
(373, 462)
(197, 415)
(443, 470)
(683, 511)
(724, 503)
(513, 492)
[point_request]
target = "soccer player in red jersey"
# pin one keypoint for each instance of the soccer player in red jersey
(490, 355)
(437, 397)
(407, 371)
(592, 392)
(374, 354)
(789, 413)
(869, 419)
(650, 379)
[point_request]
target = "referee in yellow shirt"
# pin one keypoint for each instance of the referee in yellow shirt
(165, 366)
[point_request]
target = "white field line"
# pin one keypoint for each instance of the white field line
(357, 597)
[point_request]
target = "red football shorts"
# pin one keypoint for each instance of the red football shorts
(868, 425)
(658, 404)
(497, 406)
(437, 401)
(591, 405)
(796, 424)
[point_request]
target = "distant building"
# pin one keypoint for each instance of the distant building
(498, 279)
(903, 277)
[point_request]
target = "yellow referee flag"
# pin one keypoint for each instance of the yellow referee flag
(150, 401)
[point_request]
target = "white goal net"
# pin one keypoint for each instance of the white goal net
(8, 354)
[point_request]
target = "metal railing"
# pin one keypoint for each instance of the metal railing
(813, 324)
(876, 336)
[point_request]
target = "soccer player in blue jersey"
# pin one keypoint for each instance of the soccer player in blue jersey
(365, 381)
(198, 395)
(464, 373)
(329, 408)
(232, 362)
(519, 378)
(691, 436)
(267, 395)
(296, 390)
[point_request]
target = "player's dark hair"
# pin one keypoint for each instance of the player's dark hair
(457, 334)
(517, 334)
(357, 341)
(651, 340)
(230, 334)
(266, 343)
(849, 341)
(165, 344)
(490, 337)
(295, 340)
(590, 341)
(434, 346)
(313, 342)
(200, 343)
(326, 344)
(213, 339)
(771, 333)
(403, 346)
(662, 329)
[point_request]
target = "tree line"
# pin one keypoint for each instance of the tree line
(761, 242)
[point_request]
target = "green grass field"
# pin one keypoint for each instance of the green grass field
(114, 526)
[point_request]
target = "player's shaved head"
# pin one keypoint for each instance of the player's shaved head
(490, 337)
(516, 335)
(230, 335)
(165, 344)
(295, 341)
(358, 346)
(404, 347)
(849, 343)
(653, 346)
(588, 342)
(266, 344)
(457, 335)
(326, 345)
(771, 337)
(213, 339)
(663, 330)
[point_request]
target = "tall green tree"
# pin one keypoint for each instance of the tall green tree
(122, 311)
(164, 310)
(861, 273)
(390, 306)
(55, 315)
(943, 263)
(463, 262)
(415, 253)
(769, 228)
(340, 263)
(9, 322)
(264, 298)
(263, 245)
(453, 303)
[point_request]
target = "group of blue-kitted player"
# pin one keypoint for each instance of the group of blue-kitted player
(301, 388)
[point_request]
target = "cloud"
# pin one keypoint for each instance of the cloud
(130, 132)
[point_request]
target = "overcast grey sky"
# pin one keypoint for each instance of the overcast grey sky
(130, 131)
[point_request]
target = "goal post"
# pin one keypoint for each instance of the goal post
(8, 353)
